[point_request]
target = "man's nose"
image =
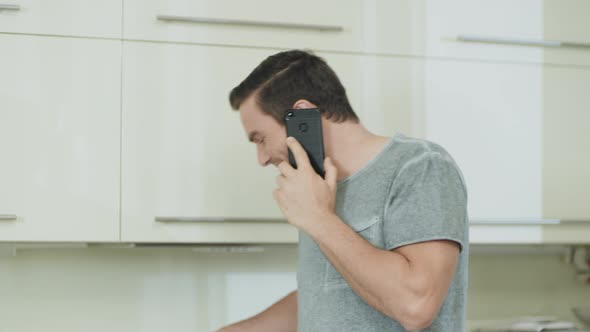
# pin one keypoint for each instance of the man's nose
(263, 157)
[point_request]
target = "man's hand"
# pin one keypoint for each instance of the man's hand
(303, 196)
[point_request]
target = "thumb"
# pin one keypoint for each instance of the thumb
(331, 174)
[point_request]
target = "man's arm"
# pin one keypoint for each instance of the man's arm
(408, 284)
(280, 317)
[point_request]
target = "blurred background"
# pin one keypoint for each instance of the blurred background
(131, 200)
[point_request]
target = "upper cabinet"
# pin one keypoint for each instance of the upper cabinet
(497, 30)
(566, 143)
(86, 18)
(332, 25)
(489, 117)
(59, 139)
(567, 21)
(476, 76)
(186, 158)
(187, 163)
(519, 133)
(504, 30)
(447, 22)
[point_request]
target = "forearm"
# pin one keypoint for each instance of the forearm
(280, 317)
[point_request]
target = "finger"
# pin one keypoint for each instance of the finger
(280, 181)
(299, 153)
(331, 176)
(278, 197)
(286, 169)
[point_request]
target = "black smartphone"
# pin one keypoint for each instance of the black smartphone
(306, 126)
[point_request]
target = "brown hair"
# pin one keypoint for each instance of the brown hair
(282, 79)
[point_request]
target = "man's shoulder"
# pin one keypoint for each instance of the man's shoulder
(411, 148)
(416, 155)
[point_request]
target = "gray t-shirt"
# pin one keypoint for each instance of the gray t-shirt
(411, 192)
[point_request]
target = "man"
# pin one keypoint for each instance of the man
(383, 237)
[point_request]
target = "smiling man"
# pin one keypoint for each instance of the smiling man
(383, 237)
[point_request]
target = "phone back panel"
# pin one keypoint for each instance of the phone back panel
(306, 126)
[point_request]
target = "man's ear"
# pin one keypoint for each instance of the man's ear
(303, 103)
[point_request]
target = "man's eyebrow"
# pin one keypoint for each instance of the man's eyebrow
(253, 135)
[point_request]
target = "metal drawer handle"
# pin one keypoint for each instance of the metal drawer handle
(520, 42)
(8, 217)
(9, 7)
(222, 21)
(517, 222)
(213, 219)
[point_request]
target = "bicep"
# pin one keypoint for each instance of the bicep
(434, 263)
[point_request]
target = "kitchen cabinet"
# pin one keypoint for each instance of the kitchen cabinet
(139, 123)
(514, 30)
(566, 143)
(400, 27)
(567, 21)
(378, 26)
(519, 134)
(189, 173)
(85, 18)
(185, 154)
(489, 117)
(59, 139)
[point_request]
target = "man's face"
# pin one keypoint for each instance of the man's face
(264, 131)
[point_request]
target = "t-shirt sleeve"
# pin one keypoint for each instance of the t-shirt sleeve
(427, 201)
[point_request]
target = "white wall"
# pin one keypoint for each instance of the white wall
(177, 289)
(99, 289)
(508, 285)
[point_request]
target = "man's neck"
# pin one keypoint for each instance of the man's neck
(350, 146)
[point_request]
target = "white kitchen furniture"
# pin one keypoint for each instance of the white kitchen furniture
(59, 139)
(116, 124)
(189, 172)
(375, 26)
(80, 18)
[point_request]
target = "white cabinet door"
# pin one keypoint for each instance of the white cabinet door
(59, 139)
(386, 92)
(185, 153)
(567, 20)
(489, 117)
(566, 143)
(62, 17)
(520, 134)
(505, 20)
(384, 26)
(186, 156)
(447, 20)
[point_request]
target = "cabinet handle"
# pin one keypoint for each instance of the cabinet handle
(516, 222)
(222, 21)
(9, 7)
(213, 219)
(8, 217)
(575, 222)
(520, 42)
